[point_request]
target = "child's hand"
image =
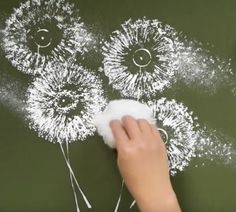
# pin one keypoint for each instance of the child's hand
(142, 161)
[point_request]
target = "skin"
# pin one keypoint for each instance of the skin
(143, 164)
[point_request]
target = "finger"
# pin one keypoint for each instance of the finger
(119, 133)
(144, 126)
(131, 127)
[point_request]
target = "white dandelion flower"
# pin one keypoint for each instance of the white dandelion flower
(61, 104)
(139, 59)
(39, 31)
(178, 130)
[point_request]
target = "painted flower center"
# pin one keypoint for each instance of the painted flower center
(66, 102)
(43, 38)
(164, 135)
(142, 57)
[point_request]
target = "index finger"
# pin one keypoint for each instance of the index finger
(118, 132)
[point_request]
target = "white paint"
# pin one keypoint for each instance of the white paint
(29, 21)
(139, 59)
(73, 179)
(120, 196)
(214, 145)
(61, 104)
(116, 109)
(199, 69)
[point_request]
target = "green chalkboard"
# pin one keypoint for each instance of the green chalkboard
(33, 174)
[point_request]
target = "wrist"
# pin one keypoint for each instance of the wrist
(166, 201)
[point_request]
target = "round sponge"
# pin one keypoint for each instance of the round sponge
(116, 109)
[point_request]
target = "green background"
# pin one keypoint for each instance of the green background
(33, 174)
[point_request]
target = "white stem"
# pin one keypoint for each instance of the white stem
(71, 179)
(73, 175)
(119, 199)
(132, 204)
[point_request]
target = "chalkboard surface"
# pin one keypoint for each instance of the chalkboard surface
(33, 173)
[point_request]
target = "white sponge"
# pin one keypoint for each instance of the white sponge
(116, 109)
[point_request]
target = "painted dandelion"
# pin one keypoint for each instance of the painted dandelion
(40, 31)
(139, 58)
(177, 129)
(61, 103)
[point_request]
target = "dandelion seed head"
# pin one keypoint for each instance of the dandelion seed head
(178, 129)
(139, 58)
(61, 104)
(41, 31)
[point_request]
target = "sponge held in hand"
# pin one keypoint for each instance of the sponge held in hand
(116, 109)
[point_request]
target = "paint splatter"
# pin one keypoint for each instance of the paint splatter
(215, 146)
(139, 59)
(198, 68)
(61, 104)
(179, 124)
(40, 31)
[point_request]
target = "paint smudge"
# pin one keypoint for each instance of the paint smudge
(139, 59)
(61, 104)
(178, 123)
(40, 31)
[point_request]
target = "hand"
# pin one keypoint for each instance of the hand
(143, 164)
